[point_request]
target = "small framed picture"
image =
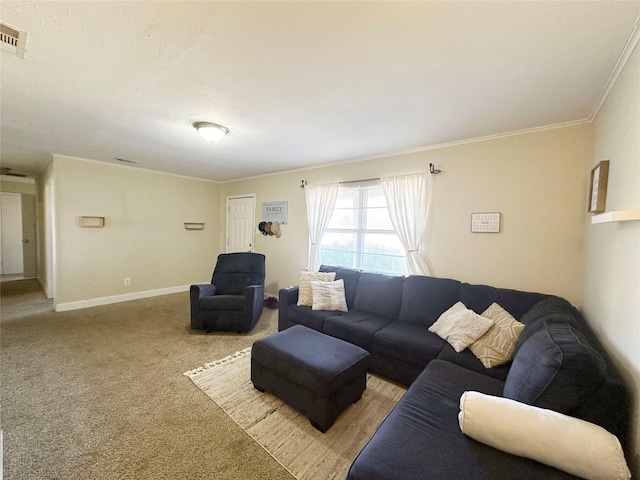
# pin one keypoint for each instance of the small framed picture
(598, 187)
(488, 222)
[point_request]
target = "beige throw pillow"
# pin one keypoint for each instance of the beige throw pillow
(460, 326)
(328, 296)
(305, 299)
(496, 346)
(569, 444)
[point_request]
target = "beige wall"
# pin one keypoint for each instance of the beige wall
(144, 237)
(534, 180)
(612, 276)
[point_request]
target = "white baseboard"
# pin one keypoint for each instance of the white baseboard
(95, 302)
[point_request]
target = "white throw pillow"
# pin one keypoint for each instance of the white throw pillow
(496, 346)
(328, 296)
(569, 444)
(460, 326)
(305, 298)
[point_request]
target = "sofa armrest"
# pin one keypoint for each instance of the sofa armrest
(253, 298)
(196, 292)
(287, 296)
(253, 295)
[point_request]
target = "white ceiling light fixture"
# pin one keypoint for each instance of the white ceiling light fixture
(211, 132)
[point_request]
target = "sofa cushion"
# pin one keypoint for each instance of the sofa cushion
(421, 439)
(356, 327)
(424, 299)
(305, 296)
(379, 294)
(407, 341)
(517, 303)
(469, 361)
(309, 318)
(223, 302)
(234, 272)
(556, 369)
(547, 311)
(350, 277)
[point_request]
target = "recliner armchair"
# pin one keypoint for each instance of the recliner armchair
(233, 299)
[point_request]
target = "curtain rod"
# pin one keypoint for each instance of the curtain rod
(432, 170)
(362, 180)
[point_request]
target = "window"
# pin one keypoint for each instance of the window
(360, 234)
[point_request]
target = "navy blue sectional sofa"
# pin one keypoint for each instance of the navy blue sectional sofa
(558, 364)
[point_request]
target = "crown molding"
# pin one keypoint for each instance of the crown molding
(627, 51)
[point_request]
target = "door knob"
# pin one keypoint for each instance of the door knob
(26, 240)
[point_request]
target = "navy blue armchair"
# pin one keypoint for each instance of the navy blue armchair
(233, 299)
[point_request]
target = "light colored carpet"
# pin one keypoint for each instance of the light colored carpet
(288, 435)
(98, 393)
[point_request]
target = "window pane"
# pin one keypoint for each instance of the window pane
(339, 249)
(383, 253)
(344, 218)
(375, 197)
(384, 264)
(346, 212)
(382, 244)
(377, 219)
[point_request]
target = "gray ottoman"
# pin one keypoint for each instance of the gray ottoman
(318, 375)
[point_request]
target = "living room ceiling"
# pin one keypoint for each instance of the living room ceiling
(299, 84)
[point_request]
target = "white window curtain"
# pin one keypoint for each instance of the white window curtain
(321, 200)
(408, 202)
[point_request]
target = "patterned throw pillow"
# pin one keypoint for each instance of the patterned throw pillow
(329, 296)
(304, 291)
(460, 326)
(496, 346)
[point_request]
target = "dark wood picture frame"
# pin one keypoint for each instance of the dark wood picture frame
(598, 187)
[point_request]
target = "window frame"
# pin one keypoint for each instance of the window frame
(361, 231)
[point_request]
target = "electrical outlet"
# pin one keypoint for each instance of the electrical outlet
(127, 281)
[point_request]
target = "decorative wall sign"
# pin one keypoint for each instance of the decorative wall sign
(275, 212)
(485, 222)
(598, 190)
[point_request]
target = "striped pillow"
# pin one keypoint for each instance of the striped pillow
(329, 296)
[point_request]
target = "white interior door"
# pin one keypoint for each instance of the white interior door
(240, 223)
(11, 233)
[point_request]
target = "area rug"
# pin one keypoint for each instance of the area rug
(288, 435)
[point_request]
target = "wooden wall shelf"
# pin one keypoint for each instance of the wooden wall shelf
(616, 216)
(194, 225)
(92, 222)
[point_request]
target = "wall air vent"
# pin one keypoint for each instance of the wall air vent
(13, 40)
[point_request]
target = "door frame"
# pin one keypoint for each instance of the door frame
(16, 245)
(252, 231)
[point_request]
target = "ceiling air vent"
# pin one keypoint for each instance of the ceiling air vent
(13, 40)
(124, 160)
